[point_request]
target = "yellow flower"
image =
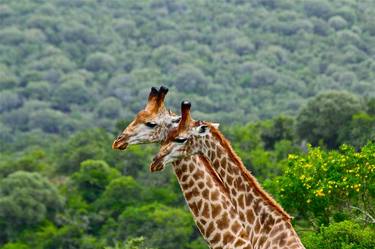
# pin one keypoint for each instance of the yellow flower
(319, 192)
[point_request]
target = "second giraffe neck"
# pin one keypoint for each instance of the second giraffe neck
(210, 205)
(263, 218)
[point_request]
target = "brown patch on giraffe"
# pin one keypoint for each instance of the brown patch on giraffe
(248, 247)
(198, 174)
(184, 177)
(221, 172)
(233, 214)
(239, 184)
(178, 172)
(191, 182)
(216, 239)
(241, 201)
(261, 241)
(275, 230)
(252, 181)
(229, 179)
(212, 144)
(205, 194)
(225, 204)
(203, 221)
(230, 168)
(267, 226)
(242, 216)
(195, 191)
(188, 195)
(254, 239)
(194, 209)
(207, 143)
(249, 198)
(216, 209)
(223, 161)
(263, 216)
(257, 206)
(209, 183)
(185, 186)
(184, 167)
(281, 238)
(214, 195)
(216, 162)
(209, 154)
(199, 203)
(235, 227)
(250, 216)
(244, 235)
(206, 211)
(191, 167)
(239, 242)
(209, 229)
(227, 238)
(201, 185)
(257, 226)
(223, 222)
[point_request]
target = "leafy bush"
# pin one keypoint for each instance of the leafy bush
(321, 184)
(342, 235)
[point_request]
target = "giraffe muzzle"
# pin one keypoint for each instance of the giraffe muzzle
(120, 142)
(157, 163)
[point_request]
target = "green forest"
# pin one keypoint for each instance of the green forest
(291, 82)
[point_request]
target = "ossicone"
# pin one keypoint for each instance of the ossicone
(153, 93)
(163, 90)
(185, 106)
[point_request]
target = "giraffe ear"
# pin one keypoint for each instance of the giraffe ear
(216, 125)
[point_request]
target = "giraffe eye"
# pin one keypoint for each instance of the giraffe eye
(150, 124)
(203, 129)
(180, 140)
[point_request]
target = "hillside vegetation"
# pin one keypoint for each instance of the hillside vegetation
(292, 83)
(69, 65)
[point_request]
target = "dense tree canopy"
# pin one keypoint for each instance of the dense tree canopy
(321, 119)
(277, 74)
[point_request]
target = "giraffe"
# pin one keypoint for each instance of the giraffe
(207, 198)
(268, 224)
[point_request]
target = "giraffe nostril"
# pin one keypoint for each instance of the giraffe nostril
(120, 136)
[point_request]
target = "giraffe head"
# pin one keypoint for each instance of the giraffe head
(184, 140)
(151, 125)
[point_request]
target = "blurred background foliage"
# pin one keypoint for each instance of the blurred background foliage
(290, 81)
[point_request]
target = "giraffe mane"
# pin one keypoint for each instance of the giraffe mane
(251, 179)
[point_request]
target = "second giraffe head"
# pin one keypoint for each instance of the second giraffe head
(184, 141)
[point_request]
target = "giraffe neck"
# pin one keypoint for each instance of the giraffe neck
(267, 223)
(212, 210)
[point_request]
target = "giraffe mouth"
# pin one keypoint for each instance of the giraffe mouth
(120, 143)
